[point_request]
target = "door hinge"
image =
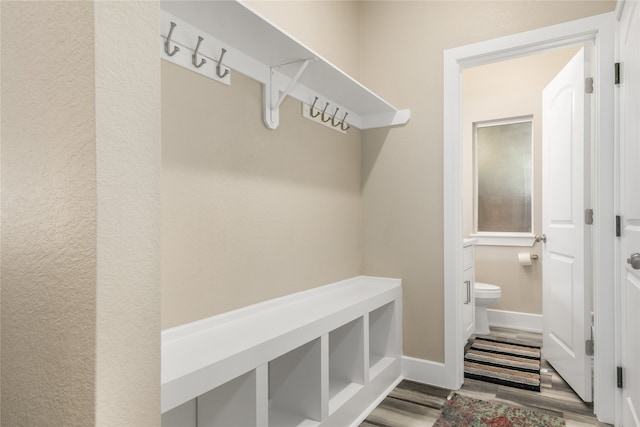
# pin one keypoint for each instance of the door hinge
(588, 347)
(588, 85)
(588, 216)
(616, 79)
(618, 230)
(619, 377)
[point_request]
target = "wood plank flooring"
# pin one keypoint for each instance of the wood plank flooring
(413, 404)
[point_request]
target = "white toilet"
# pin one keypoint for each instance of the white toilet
(485, 294)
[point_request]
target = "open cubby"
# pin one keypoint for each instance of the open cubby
(232, 404)
(181, 416)
(295, 391)
(382, 348)
(346, 362)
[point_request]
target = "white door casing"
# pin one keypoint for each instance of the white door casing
(600, 30)
(566, 277)
(629, 205)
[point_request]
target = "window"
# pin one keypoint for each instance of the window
(503, 176)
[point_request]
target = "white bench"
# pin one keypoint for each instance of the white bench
(320, 357)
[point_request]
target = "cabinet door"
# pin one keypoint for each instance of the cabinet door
(469, 306)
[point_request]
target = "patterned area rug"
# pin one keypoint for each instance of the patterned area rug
(465, 411)
(503, 363)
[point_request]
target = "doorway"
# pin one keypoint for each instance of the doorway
(503, 172)
(599, 31)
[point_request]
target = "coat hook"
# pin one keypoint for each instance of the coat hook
(194, 57)
(167, 42)
(333, 119)
(342, 122)
(311, 110)
(219, 66)
(323, 111)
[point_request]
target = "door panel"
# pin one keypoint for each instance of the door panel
(565, 189)
(629, 103)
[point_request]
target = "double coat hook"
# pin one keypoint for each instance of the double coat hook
(219, 66)
(194, 57)
(323, 111)
(311, 110)
(167, 42)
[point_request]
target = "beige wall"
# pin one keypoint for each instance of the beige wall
(248, 213)
(48, 214)
(330, 28)
(80, 199)
(128, 168)
(493, 92)
(402, 167)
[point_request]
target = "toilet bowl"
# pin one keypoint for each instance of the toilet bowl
(485, 294)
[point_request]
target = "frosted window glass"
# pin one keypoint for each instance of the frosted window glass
(504, 174)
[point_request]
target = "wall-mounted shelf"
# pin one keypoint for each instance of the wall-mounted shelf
(299, 360)
(260, 50)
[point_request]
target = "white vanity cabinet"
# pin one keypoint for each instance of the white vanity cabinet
(467, 293)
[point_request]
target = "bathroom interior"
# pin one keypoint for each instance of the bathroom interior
(508, 269)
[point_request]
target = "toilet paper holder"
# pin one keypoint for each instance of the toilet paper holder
(534, 256)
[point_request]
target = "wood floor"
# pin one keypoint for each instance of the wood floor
(413, 404)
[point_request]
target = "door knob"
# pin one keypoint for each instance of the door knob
(541, 238)
(634, 260)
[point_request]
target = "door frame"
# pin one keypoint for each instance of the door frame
(600, 30)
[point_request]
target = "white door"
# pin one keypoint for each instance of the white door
(565, 195)
(629, 102)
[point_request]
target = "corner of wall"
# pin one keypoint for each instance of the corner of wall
(128, 171)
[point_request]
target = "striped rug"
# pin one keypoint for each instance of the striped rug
(503, 363)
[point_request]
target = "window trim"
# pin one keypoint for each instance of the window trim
(495, 238)
(504, 239)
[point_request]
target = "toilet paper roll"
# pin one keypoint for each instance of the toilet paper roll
(524, 258)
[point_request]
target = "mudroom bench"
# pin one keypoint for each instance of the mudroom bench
(325, 356)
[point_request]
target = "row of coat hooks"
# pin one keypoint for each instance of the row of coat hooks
(194, 57)
(334, 123)
(171, 48)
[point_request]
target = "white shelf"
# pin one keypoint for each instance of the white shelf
(299, 360)
(278, 417)
(340, 391)
(379, 363)
(259, 49)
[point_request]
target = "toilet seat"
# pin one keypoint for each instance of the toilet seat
(486, 290)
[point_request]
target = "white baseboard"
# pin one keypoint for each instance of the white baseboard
(434, 373)
(515, 320)
(427, 372)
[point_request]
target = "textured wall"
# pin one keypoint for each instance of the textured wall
(48, 214)
(80, 177)
(248, 213)
(402, 167)
(127, 92)
(492, 92)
